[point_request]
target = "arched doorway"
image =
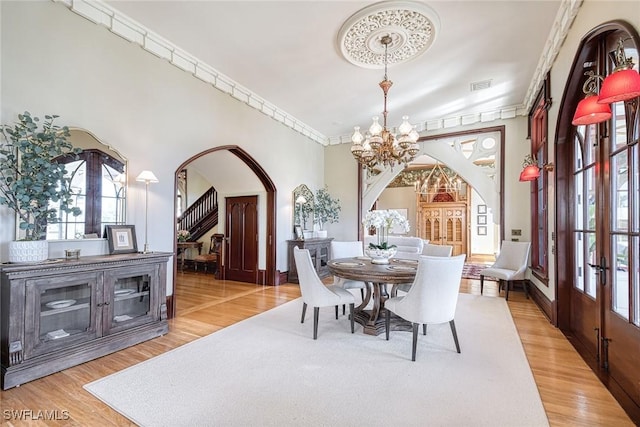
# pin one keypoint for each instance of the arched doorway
(270, 276)
(471, 164)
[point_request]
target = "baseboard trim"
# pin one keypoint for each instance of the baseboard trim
(541, 300)
(170, 307)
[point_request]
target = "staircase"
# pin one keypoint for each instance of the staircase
(201, 215)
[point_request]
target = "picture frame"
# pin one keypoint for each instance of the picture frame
(121, 239)
(482, 219)
(298, 232)
(482, 230)
(482, 209)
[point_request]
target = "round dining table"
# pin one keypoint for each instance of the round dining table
(376, 277)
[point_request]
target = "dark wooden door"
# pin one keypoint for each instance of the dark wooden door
(605, 297)
(620, 245)
(241, 229)
(586, 295)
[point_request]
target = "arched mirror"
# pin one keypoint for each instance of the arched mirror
(99, 180)
(303, 207)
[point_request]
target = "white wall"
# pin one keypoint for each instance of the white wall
(486, 244)
(401, 198)
(197, 185)
(56, 62)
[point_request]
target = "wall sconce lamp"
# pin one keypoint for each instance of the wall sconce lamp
(590, 110)
(531, 170)
(623, 83)
(147, 177)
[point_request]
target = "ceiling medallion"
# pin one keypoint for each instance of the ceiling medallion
(412, 26)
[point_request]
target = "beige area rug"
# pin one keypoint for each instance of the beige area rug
(268, 371)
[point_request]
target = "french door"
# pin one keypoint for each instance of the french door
(605, 296)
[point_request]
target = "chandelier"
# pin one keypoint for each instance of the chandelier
(437, 181)
(379, 146)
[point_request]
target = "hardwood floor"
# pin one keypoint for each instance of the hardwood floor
(570, 391)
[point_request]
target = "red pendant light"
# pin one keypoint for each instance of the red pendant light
(529, 173)
(530, 169)
(620, 85)
(589, 111)
(623, 83)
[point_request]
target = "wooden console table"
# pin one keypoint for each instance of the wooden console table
(61, 313)
(182, 250)
(319, 251)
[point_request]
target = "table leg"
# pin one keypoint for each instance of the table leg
(372, 321)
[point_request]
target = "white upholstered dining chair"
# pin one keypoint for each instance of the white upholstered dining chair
(427, 250)
(437, 250)
(432, 298)
(317, 294)
(511, 265)
(347, 250)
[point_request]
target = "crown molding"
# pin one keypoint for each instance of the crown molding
(118, 23)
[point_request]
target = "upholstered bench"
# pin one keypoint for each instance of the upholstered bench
(407, 247)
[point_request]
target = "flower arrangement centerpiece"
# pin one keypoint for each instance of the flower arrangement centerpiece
(183, 235)
(383, 221)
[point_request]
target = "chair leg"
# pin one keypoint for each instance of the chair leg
(526, 291)
(343, 308)
(337, 312)
(362, 293)
(481, 283)
(351, 307)
(316, 314)
(415, 341)
(455, 335)
(506, 287)
(424, 329)
(304, 310)
(387, 323)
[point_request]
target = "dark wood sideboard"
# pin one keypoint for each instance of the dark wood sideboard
(61, 313)
(319, 251)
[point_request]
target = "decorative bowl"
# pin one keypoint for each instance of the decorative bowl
(380, 256)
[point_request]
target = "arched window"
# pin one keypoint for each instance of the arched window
(96, 179)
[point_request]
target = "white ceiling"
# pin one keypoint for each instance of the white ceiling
(287, 53)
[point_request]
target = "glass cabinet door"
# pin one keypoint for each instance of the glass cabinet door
(130, 298)
(59, 314)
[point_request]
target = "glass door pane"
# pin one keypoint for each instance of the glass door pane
(59, 314)
(64, 311)
(131, 299)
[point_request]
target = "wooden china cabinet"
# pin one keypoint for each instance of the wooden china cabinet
(443, 218)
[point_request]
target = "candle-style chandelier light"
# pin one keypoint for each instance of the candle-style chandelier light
(379, 146)
(438, 180)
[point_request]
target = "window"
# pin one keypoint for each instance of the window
(538, 132)
(99, 193)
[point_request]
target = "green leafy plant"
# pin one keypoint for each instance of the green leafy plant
(30, 178)
(326, 209)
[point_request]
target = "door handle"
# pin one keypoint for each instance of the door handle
(600, 270)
